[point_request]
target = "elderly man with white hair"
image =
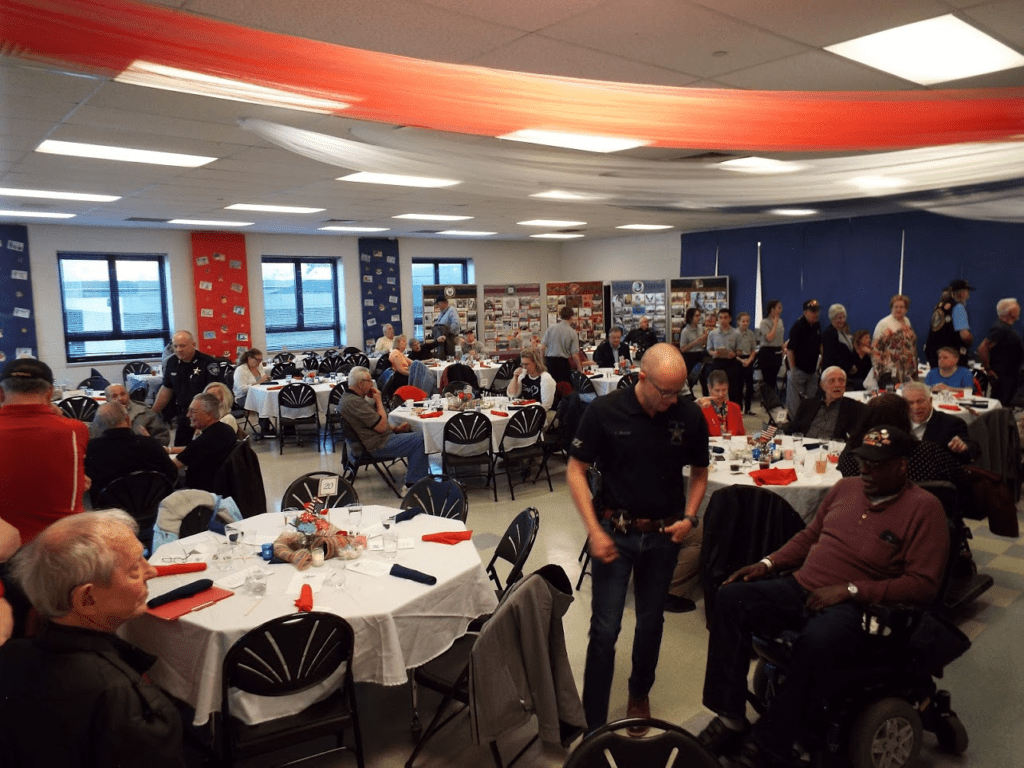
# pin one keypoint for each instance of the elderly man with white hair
(1002, 352)
(142, 419)
(77, 694)
(386, 342)
(831, 416)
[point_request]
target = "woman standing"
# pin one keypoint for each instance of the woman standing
(895, 345)
(693, 342)
(836, 341)
(771, 332)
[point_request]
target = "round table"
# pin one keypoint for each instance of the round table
(607, 380)
(263, 398)
(398, 624)
(433, 428)
(484, 375)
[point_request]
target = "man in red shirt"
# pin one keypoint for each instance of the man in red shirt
(42, 454)
(877, 538)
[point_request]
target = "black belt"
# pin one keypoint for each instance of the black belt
(623, 523)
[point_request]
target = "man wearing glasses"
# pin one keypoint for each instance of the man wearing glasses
(639, 439)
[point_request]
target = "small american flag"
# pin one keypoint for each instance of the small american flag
(768, 431)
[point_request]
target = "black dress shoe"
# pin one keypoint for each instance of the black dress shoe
(679, 604)
(720, 739)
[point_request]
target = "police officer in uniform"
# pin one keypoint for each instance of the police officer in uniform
(950, 326)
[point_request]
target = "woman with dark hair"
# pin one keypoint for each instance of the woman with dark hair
(771, 332)
(862, 363)
(693, 341)
(249, 373)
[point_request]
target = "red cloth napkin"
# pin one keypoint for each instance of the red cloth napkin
(431, 415)
(947, 407)
(171, 570)
(527, 402)
(958, 395)
(279, 386)
(305, 601)
(448, 537)
(774, 476)
(498, 413)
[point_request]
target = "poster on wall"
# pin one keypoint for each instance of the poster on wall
(379, 287)
(633, 299)
(587, 298)
(222, 294)
(709, 294)
(461, 297)
(17, 313)
(512, 315)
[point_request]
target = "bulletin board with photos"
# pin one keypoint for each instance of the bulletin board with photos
(219, 269)
(587, 298)
(461, 297)
(708, 293)
(633, 299)
(512, 314)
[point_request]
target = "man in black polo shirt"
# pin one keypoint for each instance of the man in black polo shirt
(185, 376)
(803, 351)
(203, 457)
(639, 439)
(1002, 353)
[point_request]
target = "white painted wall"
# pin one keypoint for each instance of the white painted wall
(642, 257)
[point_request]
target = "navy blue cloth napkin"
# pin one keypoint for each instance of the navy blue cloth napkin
(412, 574)
(177, 594)
(408, 514)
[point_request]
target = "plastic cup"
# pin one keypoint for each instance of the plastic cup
(256, 582)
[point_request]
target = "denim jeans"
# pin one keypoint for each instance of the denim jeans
(408, 445)
(651, 559)
(800, 386)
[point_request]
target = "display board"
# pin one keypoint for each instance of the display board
(222, 293)
(633, 299)
(511, 316)
(17, 321)
(462, 297)
(380, 288)
(587, 298)
(708, 293)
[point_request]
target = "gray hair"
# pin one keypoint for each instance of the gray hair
(111, 415)
(831, 370)
(227, 400)
(716, 377)
(834, 310)
(916, 386)
(357, 374)
(386, 326)
(208, 403)
(109, 388)
(187, 334)
(73, 551)
(1003, 306)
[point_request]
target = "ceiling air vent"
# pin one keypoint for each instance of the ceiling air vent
(147, 220)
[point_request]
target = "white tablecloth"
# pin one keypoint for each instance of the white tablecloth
(263, 400)
(433, 429)
(484, 376)
(398, 624)
(608, 381)
(963, 408)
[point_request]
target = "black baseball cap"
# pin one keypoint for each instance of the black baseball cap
(960, 285)
(27, 368)
(883, 443)
(812, 304)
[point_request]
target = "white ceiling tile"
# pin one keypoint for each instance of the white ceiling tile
(527, 15)
(813, 71)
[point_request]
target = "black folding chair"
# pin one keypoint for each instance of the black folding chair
(93, 382)
(502, 378)
(283, 357)
(439, 496)
(383, 363)
(611, 745)
(284, 656)
(514, 548)
(357, 455)
(137, 367)
(357, 358)
(351, 351)
(223, 371)
(79, 407)
(296, 397)
(307, 487)
(628, 380)
(581, 383)
(139, 494)
(466, 447)
(521, 446)
(329, 365)
(283, 370)
(332, 416)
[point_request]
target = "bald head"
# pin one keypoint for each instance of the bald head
(663, 359)
(662, 377)
(111, 416)
(184, 344)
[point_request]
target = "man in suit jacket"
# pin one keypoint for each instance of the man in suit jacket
(608, 353)
(832, 416)
(945, 429)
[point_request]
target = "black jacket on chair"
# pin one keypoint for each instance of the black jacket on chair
(943, 427)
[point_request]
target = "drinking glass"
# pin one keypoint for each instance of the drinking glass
(256, 582)
(820, 464)
(390, 538)
(339, 571)
(223, 558)
(355, 517)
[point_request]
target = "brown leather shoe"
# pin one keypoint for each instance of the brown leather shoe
(638, 708)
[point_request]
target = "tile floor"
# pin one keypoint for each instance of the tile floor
(986, 684)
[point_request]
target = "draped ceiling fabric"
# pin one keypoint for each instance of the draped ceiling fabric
(106, 36)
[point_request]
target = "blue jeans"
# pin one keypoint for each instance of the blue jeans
(409, 446)
(651, 559)
(800, 386)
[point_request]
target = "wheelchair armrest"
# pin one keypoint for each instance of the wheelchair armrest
(890, 618)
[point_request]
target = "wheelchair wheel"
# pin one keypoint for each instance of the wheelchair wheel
(759, 682)
(887, 734)
(951, 734)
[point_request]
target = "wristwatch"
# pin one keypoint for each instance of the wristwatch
(694, 521)
(852, 589)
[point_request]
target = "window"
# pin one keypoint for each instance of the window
(301, 303)
(115, 306)
(424, 272)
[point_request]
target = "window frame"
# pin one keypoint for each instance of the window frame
(436, 263)
(116, 333)
(297, 262)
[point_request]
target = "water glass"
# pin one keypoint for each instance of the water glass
(355, 517)
(390, 539)
(224, 557)
(339, 571)
(256, 582)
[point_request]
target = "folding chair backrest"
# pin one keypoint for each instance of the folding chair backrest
(297, 396)
(357, 358)
(504, 376)
(468, 428)
(284, 357)
(515, 547)
(79, 407)
(307, 487)
(523, 428)
(139, 494)
(628, 380)
(136, 367)
(581, 383)
(283, 370)
(438, 496)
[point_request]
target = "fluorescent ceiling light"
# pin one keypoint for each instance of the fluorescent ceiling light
(45, 195)
(583, 141)
(931, 51)
(355, 229)
(431, 217)
(465, 232)
(37, 215)
(558, 236)
(398, 180)
(760, 165)
(557, 194)
(793, 211)
(205, 223)
(272, 208)
(152, 75)
(124, 154)
(877, 183)
(551, 223)
(645, 226)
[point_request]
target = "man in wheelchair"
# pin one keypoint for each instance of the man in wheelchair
(875, 539)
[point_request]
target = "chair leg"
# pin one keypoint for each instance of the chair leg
(586, 564)
(415, 726)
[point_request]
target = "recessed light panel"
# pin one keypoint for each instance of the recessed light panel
(764, 165)
(397, 180)
(37, 215)
(431, 217)
(793, 211)
(557, 236)
(582, 141)
(557, 194)
(355, 229)
(465, 233)
(645, 226)
(272, 208)
(46, 195)
(205, 223)
(551, 223)
(122, 154)
(932, 51)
